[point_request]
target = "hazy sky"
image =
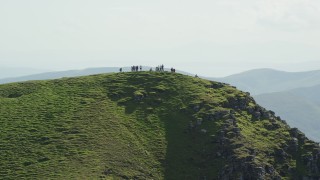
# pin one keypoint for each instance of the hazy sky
(208, 37)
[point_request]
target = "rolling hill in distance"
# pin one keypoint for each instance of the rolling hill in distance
(309, 93)
(60, 74)
(261, 81)
(9, 72)
(146, 125)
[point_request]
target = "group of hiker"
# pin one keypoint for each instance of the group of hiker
(159, 68)
(136, 68)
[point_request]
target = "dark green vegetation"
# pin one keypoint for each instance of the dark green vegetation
(145, 126)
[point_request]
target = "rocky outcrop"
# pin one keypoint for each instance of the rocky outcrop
(139, 95)
(297, 148)
(239, 102)
(238, 167)
(214, 115)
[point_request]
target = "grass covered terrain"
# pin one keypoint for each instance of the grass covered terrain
(142, 125)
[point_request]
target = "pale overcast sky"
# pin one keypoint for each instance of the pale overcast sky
(207, 37)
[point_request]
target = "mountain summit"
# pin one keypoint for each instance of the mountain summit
(145, 125)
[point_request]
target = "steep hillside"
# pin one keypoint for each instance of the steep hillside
(145, 125)
(261, 81)
(297, 107)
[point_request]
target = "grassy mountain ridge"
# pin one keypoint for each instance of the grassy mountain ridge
(145, 125)
(69, 73)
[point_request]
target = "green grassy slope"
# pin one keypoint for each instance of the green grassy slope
(143, 125)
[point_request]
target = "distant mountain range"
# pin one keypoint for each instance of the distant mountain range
(60, 74)
(260, 81)
(6, 72)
